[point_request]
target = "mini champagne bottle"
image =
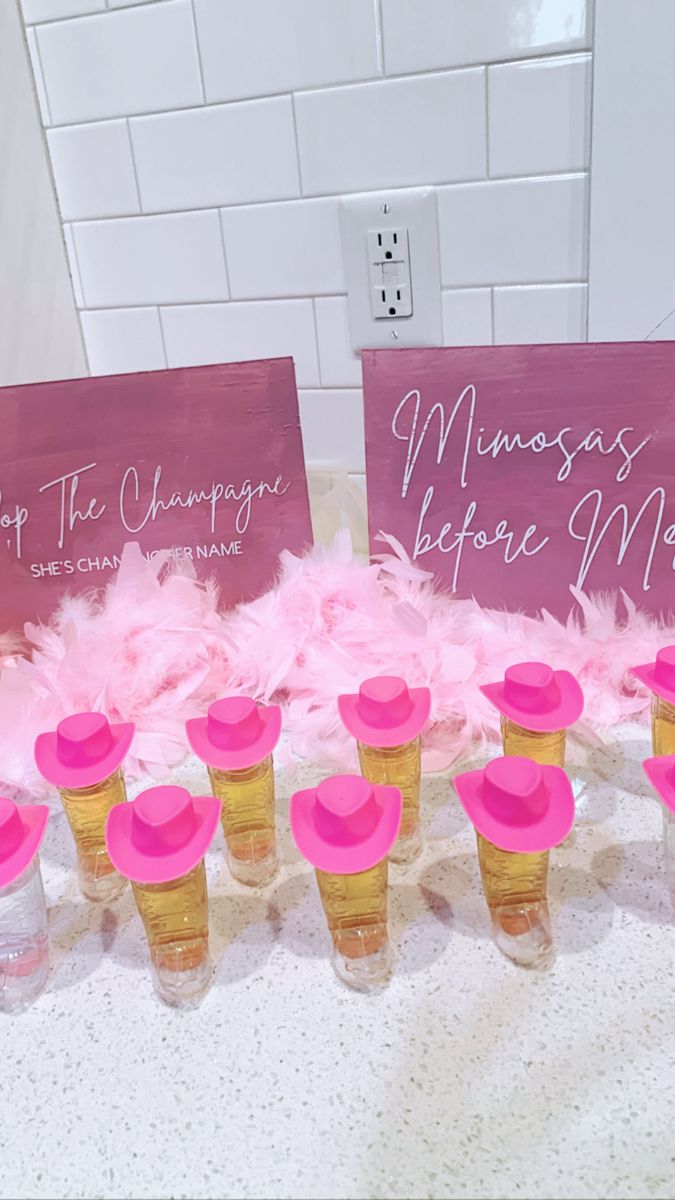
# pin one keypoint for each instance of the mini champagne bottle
(536, 706)
(235, 740)
(345, 828)
(659, 676)
(387, 719)
(158, 842)
(520, 810)
(83, 759)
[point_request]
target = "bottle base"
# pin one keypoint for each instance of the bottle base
(251, 873)
(181, 988)
(523, 933)
(406, 849)
(366, 972)
(102, 889)
(23, 977)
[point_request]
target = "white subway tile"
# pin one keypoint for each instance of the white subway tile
(340, 366)
(263, 46)
(40, 90)
(540, 314)
(209, 333)
(393, 133)
(123, 339)
(514, 231)
(332, 429)
(53, 10)
(283, 249)
(136, 60)
(73, 265)
(232, 154)
(172, 259)
(539, 116)
(421, 35)
(93, 170)
(467, 317)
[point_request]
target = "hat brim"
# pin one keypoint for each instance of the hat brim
(346, 860)
(544, 833)
(647, 675)
(152, 868)
(657, 771)
(34, 820)
(564, 714)
(53, 770)
(396, 735)
(235, 760)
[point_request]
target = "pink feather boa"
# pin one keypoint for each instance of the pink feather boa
(154, 649)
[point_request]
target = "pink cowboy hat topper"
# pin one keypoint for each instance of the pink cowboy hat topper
(536, 697)
(235, 733)
(517, 804)
(385, 712)
(346, 824)
(22, 829)
(162, 834)
(82, 751)
(659, 676)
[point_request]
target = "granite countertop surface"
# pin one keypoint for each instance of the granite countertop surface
(467, 1076)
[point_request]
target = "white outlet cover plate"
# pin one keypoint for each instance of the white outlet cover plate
(414, 209)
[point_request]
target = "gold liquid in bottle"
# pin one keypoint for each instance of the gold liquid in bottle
(247, 817)
(176, 920)
(547, 749)
(515, 890)
(87, 809)
(356, 912)
(398, 766)
(663, 726)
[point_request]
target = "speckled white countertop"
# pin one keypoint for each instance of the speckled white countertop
(466, 1077)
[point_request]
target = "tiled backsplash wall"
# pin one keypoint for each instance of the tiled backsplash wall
(199, 148)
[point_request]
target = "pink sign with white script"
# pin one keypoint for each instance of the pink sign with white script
(204, 461)
(513, 472)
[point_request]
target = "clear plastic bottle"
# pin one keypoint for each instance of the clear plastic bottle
(547, 749)
(356, 912)
(515, 890)
(248, 820)
(24, 945)
(176, 920)
(398, 766)
(87, 809)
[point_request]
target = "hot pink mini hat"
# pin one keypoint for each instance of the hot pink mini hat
(385, 712)
(517, 804)
(83, 750)
(659, 675)
(22, 829)
(236, 733)
(346, 824)
(536, 697)
(160, 835)
(660, 772)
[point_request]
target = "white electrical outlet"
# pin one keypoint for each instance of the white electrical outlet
(390, 251)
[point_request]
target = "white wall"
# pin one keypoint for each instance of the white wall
(199, 146)
(39, 331)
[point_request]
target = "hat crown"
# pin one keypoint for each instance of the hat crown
(531, 687)
(346, 809)
(664, 670)
(83, 739)
(514, 790)
(11, 828)
(384, 701)
(163, 821)
(233, 723)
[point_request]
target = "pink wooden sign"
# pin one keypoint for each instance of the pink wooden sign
(513, 472)
(207, 461)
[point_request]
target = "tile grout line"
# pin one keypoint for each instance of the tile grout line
(222, 242)
(316, 342)
(44, 81)
(487, 122)
(297, 144)
(379, 36)
(198, 51)
(590, 169)
(134, 167)
(162, 334)
(492, 316)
